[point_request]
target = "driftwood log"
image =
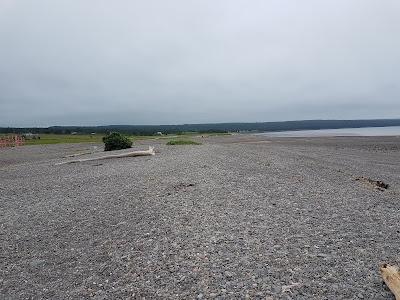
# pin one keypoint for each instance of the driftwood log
(120, 155)
(391, 276)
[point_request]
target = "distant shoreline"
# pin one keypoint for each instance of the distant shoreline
(209, 127)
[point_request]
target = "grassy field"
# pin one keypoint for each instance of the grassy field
(64, 139)
(46, 139)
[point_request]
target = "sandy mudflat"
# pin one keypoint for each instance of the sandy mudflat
(237, 217)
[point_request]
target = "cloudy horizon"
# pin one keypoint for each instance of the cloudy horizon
(134, 62)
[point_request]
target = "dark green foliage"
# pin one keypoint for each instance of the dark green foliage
(116, 141)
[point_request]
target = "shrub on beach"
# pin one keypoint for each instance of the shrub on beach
(116, 141)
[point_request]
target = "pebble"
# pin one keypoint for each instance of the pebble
(229, 274)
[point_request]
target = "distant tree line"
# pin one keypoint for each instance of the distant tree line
(207, 128)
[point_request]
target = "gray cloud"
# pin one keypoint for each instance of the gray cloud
(150, 62)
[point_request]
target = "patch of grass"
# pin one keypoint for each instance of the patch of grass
(183, 142)
(143, 137)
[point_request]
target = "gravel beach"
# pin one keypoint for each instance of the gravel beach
(238, 217)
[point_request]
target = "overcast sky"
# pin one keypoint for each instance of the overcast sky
(92, 62)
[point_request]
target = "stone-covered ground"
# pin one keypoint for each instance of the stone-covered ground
(237, 217)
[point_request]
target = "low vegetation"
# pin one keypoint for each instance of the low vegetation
(183, 142)
(68, 138)
(116, 141)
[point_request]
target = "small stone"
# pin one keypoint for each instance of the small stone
(361, 296)
(228, 274)
(200, 296)
(276, 289)
(37, 263)
(323, 255)
(335, 286)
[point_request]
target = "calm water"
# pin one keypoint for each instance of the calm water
(366, 131)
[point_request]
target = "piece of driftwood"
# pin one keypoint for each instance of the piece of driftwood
(391, 276)
(120, 155)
